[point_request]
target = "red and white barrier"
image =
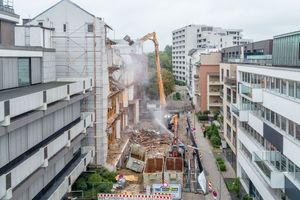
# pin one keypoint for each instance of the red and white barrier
(130, 196)
(209, 185)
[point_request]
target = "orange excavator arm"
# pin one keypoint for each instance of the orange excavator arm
(153, 38)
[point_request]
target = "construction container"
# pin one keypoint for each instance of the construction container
(136, 160)
(153, 172)
(173, 170)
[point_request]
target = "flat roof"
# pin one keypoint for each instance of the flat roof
(21, 91)
(287, 34)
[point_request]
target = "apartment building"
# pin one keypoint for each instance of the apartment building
(199, 37)
(267, 109)
(247, 54)
(205, 91)
(42, 122)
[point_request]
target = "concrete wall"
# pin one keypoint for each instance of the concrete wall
(7, 33)
(33, 36)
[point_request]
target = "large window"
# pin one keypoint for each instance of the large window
(283, 87)
(291, 88)
(24, 71)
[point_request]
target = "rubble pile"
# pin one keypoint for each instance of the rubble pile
(150, 138)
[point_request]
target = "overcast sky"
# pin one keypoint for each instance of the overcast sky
(260, 19)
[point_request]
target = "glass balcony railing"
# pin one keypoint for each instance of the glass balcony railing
(235, 110)
(230, 81)
(273, 161)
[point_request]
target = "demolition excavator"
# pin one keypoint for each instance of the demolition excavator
(172, 120)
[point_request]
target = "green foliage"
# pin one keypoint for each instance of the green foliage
(247, 197)
(165, 59)
(168, 81)
(234, 186)
(206, 112)
(180, 83)
(216, 114)
(81, 184)
(213, 134)
(100, 181)
(202, 117)
(215, 141)
(222, 167)
(177, 96)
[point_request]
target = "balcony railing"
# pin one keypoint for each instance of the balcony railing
(241, 113)
(230, 81)
(19, 103)
(253, 91)
(265, 60)
(70, 177)
(41, 157)
(268, 162)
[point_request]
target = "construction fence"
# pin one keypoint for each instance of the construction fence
(137, 197)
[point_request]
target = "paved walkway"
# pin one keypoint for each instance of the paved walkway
(209, 164)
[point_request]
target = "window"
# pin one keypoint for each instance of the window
(291, 89)
(64, 27)
(298, 131)
(283, 123)
(227, 73)
(41, 24)
(299, 51)
(222, 74)
(277, 120)
(24, 71)
(298, 90)
(291, 128)
(283, 87)
(90, 28)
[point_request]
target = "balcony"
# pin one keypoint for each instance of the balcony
(267, 162)
(65, 181)
(19, 101)
(254, 92)
(221, 94)
(40, 157)
(240, 113)
(214, 82)
(214, 92)
(230, 81)
(265, 60)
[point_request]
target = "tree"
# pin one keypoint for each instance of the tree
(165, 58)
(168, 81)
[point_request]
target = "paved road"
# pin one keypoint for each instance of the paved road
(209, 165)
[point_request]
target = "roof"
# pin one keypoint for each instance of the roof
(287, 34)
(60, 3)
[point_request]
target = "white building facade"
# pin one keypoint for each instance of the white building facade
(269, 131)
(199, 37)
(42, 123)
(79, 38)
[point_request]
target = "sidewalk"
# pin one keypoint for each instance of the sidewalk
(209, 164)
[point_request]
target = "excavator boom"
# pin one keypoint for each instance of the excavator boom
(153, 38)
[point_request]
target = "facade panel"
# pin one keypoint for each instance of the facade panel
(10, 70)
(36, 70)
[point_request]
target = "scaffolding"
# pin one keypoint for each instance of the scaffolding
(80, 52)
